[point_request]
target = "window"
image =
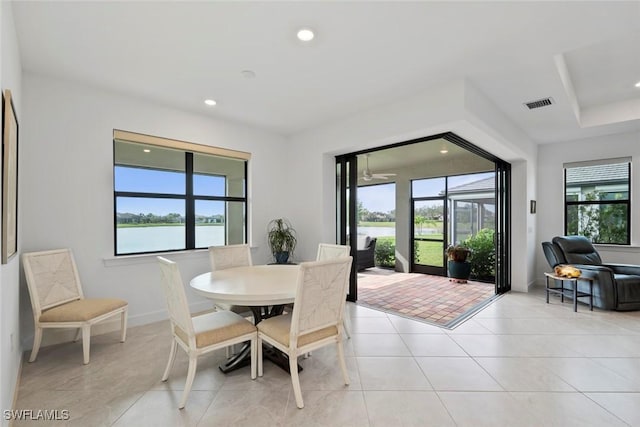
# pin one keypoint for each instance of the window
(597, 201)
(171, 195)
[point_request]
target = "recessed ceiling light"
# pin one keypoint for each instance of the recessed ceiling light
(637, 84)
(146, 150)
(210, 102)
(444, 151)
(305, 34)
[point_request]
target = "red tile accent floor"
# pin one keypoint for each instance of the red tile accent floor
(430, 298)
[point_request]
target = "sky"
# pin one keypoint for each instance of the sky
(378, 198)
(155, 181)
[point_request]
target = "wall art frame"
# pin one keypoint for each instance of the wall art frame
(9, 178)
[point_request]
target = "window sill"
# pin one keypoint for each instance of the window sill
(193, 254)
(617, 248)
(118, 261)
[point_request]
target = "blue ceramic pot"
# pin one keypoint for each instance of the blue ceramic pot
(282, 257)
(459, 270)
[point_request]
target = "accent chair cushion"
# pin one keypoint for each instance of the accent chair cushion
(216, 327)
(81, 310)
(278, 328)
(363, 241)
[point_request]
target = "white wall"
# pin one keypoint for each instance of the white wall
(551, 201)
(455, 107)
(10, 349)
(67, 186)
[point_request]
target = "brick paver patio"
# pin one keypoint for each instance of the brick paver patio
(430, 298)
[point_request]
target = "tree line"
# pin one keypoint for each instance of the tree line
(171, 218)
(365, 215)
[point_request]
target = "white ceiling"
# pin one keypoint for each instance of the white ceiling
(364, 54)
(419, 159)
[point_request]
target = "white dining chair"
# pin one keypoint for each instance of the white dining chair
(57, 299)
(331, 251)
(316, 320)
(200, 334)
(229, 256)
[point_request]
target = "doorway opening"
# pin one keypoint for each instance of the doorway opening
(401, 206)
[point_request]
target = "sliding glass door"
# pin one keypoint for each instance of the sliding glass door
(347, 224)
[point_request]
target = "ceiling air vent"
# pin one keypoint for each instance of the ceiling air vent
(539, 103)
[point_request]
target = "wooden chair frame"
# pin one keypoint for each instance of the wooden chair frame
(38, 307)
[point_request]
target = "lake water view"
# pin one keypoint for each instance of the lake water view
(377, 231)
(150, 239)
(390, 231)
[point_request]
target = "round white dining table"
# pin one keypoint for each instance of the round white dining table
(257, 285)
(263, 288)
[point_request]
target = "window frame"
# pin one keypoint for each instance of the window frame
(189, 150)
(578, 203)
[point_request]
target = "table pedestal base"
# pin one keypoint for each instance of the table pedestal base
(243, 357)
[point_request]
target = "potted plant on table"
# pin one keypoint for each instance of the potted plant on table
(458, 268)
(282, 239)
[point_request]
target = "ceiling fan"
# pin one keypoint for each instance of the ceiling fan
(368, 176)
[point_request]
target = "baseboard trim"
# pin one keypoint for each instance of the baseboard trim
(14, 403)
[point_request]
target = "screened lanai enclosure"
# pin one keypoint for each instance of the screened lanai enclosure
(408, 202)
(455, 210)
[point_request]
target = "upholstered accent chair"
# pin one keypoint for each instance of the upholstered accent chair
(57, 299)
(615, 286)
(316, 320)
(199, 334)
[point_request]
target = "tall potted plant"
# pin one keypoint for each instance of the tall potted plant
(458, 268)
(282, 239)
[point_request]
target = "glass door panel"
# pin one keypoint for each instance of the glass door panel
(429, 236)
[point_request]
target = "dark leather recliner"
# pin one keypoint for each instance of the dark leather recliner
(616, 286)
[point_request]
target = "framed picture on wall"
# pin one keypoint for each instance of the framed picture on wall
(9, 178)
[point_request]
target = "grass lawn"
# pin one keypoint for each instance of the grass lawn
(376, 224)
(429, 253)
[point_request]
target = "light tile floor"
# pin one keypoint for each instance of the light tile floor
(518, 362)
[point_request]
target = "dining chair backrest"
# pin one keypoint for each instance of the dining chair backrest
(229, 256)
(319, 301)
(329, 251)
(177, 304)
(52, 278)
